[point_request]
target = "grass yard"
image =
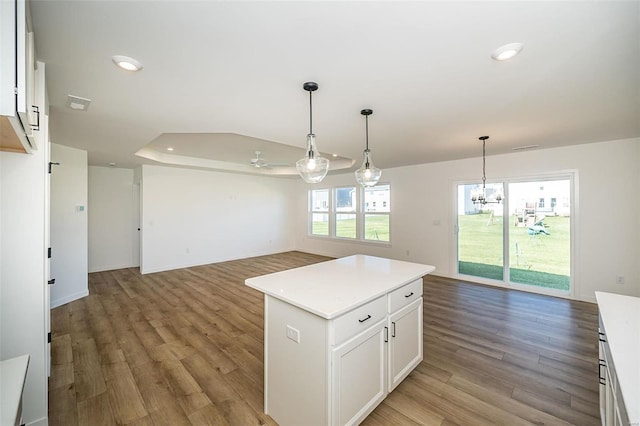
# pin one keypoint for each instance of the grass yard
(541, 260)
(376, 227)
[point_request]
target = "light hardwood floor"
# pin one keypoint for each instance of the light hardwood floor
(185, 347)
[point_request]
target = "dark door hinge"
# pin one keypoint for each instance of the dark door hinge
(49, 337)
(51, 281)
(49, 253)
(52, 164)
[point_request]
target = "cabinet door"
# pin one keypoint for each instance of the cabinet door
(405, 342)
(359, 375)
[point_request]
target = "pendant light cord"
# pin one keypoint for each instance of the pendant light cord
(310, 113)
(484, 174)
(366, 117)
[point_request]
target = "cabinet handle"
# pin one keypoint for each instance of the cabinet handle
(364, 319)
(602, 337)
(408, 295)
(52, 281)
(36, 110)
(601, 378)
(393, 333)
(386, 334)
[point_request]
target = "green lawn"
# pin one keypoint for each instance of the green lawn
(376, 228)
(542, 260)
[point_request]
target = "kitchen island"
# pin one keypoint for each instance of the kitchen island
(339, 336)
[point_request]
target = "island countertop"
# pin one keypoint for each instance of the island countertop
(330, 289)
(621, 320)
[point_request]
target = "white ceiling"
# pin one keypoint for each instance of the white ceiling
(425, 68)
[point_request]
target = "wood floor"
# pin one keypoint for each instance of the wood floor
(185, 347)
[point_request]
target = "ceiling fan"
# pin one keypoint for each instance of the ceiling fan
(260, 163)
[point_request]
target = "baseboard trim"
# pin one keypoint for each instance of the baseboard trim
(69, 298)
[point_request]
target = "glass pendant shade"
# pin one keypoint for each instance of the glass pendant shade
(312, 168)
(368, 174)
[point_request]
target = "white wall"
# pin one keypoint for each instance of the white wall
(112, 222)
(607, 221)
(23, 303)
(194, 217)
(68, 225)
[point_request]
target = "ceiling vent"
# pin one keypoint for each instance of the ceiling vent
(78, 103)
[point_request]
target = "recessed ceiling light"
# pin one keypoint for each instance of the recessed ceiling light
(112, 164)
(507, 51)
(334, 155)
(127, 63)
(170, 149)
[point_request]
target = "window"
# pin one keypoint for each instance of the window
(553, 203)
(541, 203)
(319, 211)
(345, 212)
(351, 212)
(376, 219)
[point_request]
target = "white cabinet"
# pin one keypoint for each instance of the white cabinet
(612, 408)
(19, 116)
(336, 371)
(405, 342)
(359, 381)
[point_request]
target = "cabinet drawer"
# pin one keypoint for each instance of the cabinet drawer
(406, 294)
(358, 320)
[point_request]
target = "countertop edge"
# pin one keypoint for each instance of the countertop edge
(335, 314)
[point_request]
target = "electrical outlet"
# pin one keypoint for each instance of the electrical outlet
(293, 334)
(619, 279)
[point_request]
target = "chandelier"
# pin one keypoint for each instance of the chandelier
(480, 196)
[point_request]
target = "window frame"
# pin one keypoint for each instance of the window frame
(311, 212)
(359, 212)
(353, 211)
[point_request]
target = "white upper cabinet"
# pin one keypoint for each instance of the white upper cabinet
(19, 113)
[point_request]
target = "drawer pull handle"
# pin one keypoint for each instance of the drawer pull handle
(602, 337)
(601, 377)
(364, 319)
(408, 295)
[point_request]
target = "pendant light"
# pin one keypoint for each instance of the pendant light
(312, 168)
(480, 196)
(367, 174)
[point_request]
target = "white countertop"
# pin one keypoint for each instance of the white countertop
(12, 375)
(621, 320)
(330, 289)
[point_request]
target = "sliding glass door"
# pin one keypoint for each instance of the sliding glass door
(524, 239)
(540, 233)
(480, 234)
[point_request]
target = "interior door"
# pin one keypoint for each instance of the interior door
(137, 233)
(47, 244)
